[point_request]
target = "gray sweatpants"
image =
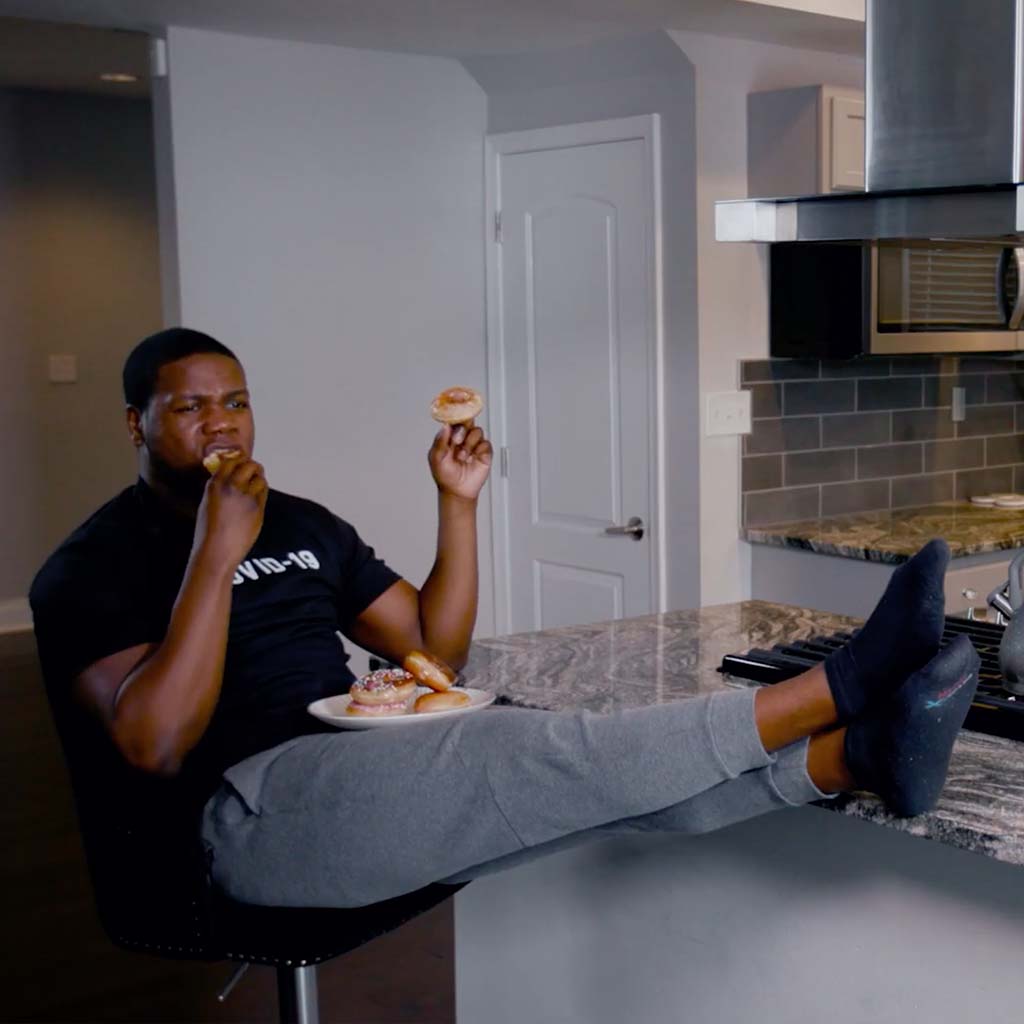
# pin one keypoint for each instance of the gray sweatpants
(351, 818)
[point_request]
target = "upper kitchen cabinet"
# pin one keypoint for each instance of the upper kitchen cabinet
(805, 141)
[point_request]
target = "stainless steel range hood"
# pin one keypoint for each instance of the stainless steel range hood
(943, 152)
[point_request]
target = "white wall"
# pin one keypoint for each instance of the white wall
(329, 212)
(732, 282)
(78, 275)
(639, 75)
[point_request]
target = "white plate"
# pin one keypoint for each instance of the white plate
(984, 499)
(332, 710)
(1010, 502)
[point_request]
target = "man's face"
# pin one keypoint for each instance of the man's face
(200, 405)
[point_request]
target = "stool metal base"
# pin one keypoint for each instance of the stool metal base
(297, 995)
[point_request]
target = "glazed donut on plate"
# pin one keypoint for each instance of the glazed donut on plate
(388, 691)
(428, 670)
(428, 702)
(213, 460)
(456, 405)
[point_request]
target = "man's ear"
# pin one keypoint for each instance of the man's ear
(134, 418)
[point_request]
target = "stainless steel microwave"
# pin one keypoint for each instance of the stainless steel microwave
(839, 300)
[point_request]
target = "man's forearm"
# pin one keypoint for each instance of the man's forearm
(164, 706)
(448, 598)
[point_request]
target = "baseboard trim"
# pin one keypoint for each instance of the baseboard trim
(15, 615)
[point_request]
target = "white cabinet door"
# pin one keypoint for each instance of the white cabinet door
(847, 156)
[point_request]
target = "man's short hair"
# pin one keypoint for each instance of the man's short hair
(142, 367)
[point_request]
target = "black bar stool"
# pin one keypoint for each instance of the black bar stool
(152, 894)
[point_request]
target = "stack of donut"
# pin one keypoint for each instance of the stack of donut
(391, 691)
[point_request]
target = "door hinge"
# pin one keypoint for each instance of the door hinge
(503, 462)
(497, 227)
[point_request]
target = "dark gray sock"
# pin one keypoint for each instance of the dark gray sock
(902, 753)
(901, 635)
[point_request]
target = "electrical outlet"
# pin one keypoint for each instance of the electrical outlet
(728, 413)
(959, 405)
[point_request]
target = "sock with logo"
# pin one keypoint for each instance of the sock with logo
(901, 635)
(902, 753)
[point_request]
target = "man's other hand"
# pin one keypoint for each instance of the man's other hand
(231, 513)
(460, 460)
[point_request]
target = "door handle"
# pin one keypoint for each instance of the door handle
(634, 528)
(1017, 312)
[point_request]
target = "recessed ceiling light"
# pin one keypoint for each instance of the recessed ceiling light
(118, 76)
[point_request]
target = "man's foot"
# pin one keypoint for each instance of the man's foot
(902, 634)
(903, 753)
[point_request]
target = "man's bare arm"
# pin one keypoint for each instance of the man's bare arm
(156, 700)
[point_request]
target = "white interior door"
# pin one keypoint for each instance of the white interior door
(573, 346)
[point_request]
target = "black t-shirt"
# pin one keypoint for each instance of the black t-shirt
(112, 585)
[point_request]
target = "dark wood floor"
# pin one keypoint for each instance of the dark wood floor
(58, 965)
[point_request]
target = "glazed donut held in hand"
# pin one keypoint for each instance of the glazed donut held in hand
(457, 405)
(429, 671)
(388, 691)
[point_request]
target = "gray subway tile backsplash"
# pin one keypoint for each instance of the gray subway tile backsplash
(939, 390)
(922, 425)
(779, 369)
(889, 393)
(1004, 451)
(763, 507)
(983, 481)
(1005, 387)
(804, 397)
(889, 460)
(844, 499)
(968, 453)
(847, 369)
(984, 420)
(765, 399)
(840, 437)
(761, 472)
(784, 434)
(856, 428)
(910, 491)
(821, 467)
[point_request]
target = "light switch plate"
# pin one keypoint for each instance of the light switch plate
(728, 413)
(63, 369)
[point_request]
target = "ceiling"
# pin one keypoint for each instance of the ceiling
(37, 54)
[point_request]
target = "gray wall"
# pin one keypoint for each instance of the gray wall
(642, 75)
(79, 273)
(329, 214)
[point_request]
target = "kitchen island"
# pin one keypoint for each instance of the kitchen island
(837, 908)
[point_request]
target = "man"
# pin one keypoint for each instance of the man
(184, 628)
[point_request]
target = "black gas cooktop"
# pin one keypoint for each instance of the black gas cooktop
(994, 710)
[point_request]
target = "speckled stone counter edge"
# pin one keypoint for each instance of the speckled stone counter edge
(893, 536)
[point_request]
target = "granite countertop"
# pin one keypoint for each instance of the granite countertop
(659, 658)
(894, 535)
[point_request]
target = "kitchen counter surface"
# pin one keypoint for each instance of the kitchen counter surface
(659, 658)
(894, 535)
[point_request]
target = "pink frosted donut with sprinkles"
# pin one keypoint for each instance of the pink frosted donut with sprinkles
(388, 691)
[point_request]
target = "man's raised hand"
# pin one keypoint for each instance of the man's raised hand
(460, 460)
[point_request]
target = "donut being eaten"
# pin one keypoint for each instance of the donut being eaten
(212, 461)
